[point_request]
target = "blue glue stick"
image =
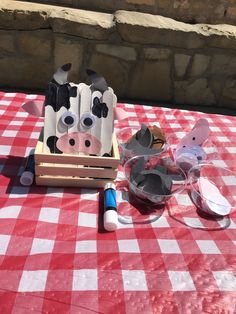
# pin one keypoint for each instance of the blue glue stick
(27, 176)
(110, 218)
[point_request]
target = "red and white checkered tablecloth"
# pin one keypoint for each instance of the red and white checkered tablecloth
(54, 259)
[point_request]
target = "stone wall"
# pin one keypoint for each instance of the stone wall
(142, 56)
(189, 11)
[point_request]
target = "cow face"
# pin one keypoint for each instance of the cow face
(78, 118)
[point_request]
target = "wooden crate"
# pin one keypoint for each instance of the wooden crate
(75, 170)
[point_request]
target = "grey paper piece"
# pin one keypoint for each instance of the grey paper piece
(153, 181)
(141, 143)
(61, 75)
(144, 136)
(136, 169)
(152, 177)
(138, 149)
(152, 184)
(161, 169)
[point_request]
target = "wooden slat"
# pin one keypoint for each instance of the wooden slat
(72, 170)
(71, 181)
(115, 149)
(98, 161)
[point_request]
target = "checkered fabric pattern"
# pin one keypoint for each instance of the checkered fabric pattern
(54, 257)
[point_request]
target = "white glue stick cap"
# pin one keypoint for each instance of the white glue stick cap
(110, 220)
(27, 178)
(110, 185)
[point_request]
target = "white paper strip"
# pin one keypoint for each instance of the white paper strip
(49, 128)
(108, 123)
(96, 129)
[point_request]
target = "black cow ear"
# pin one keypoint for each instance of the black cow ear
(51, 143)
(61, 74)
(98, 81)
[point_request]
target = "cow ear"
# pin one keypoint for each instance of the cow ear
(120, 114)
(61, 74)
(197, 136)
(34, 107)
(98, 82)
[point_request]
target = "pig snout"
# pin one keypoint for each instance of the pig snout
(79, 142)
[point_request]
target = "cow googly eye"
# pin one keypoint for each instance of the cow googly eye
(87, 120)
(69, 119)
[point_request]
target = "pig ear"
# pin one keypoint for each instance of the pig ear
(197, 136)
(34, 107)
(120, 114)
(201, 123)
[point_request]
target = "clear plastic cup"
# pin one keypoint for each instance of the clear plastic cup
(189, 157)
(152, 162)
(122, 138)
(218, 196)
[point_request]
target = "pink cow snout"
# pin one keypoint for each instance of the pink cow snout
(79, 142)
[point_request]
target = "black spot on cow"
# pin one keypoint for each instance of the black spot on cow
(57, 96)
(51, 143)
(73, 91)
(99, 109)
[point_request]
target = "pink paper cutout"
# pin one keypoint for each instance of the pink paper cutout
(79, 142)
(212, 198)
(197, 136)
(34, 107)
(120, 114)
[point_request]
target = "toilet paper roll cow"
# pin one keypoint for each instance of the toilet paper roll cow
(78, 118)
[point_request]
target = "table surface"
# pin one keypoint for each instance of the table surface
(54, 258)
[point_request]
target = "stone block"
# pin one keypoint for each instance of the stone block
(221, 36)
(23, 15)
(151, 81)
(68, 50)
(194, 93)
(85, 24)
(26, 73)
(36, 43)
(231, 70)
(7, 42)
(156, 53)
(180, 91)
(181, 64)
(145, 28)
(115, 71)
(219, 11)
(199, 65)
(228, 98)
(231, 13)
(165, 4)
(121, 52)
(229, 89)
(216, 83)
(220, 64)
(181, 4)
(139, 2)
